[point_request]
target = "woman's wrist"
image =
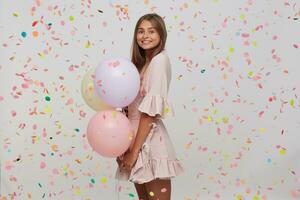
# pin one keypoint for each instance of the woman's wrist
(135, 151)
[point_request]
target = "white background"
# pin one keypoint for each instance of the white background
(235, 89)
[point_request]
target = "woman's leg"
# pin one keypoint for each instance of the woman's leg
(159, 189)
(141, 191)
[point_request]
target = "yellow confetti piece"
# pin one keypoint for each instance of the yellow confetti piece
(231, 49)
(47, 109)
(71, 18)
(151, 194)
(262, 130)
(256, 197)
(254, 43)
(65, 168)
(130, 136)
(292, 103)
(77, 191)
(103, 180)
(209, 118)
(282, 151)
(242, 17)
(15, 15)
(166, 110)
(58, 125)
(239, 197)
(41, 55)
(88, 44)
(250, 74)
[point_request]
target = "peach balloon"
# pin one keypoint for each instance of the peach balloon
(89, 93)
(109, 133)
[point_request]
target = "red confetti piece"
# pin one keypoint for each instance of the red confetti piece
(34, 23)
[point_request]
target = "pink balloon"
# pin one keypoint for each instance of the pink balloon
(109, 133)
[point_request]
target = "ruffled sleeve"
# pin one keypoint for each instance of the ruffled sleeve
(156, 100)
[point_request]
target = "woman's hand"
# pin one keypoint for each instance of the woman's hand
(129, 160)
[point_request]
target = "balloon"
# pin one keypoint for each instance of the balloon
(89, 95)
(109, 133)
(117, 81)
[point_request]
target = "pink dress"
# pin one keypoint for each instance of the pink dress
(157, 157)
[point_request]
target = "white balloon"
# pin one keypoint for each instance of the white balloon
(117, 81)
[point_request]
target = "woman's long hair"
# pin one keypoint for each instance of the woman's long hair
(138, 57)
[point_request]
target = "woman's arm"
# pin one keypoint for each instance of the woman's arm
(131, 155)
(143, 131)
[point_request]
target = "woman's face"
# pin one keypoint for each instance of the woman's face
(147, 36)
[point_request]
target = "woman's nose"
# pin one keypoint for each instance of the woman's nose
(145, 35)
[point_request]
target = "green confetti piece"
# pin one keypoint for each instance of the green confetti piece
(93, 180)
(15, 14)
(131, 195)
(47, 98)
(24, 34)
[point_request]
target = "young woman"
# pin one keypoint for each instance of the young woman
(151, 161)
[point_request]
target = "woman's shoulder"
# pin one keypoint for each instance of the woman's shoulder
(162, 57)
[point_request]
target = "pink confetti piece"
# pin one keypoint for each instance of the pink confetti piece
(13, 113)
(261, 114)
(295, 46)
(55, 171)
(70, 101)
(1, 98)
(25, 85)
(294, 194)
(42, 165)
(245, 35)
(38, 2)
(82, 114)
(44, 132)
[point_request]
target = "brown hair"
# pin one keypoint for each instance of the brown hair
(138, 57)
